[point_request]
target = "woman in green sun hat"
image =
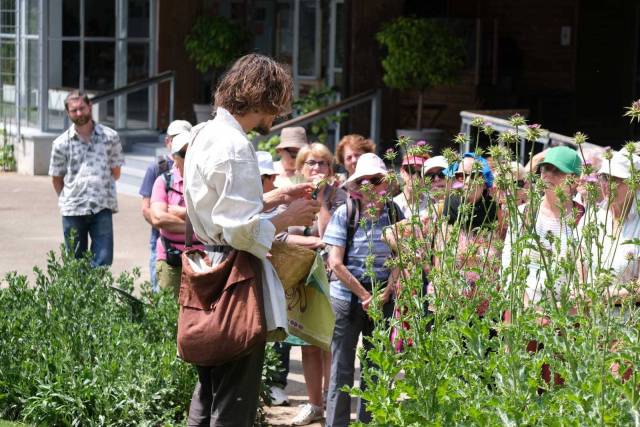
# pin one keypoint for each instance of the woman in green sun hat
(548, 225)
(559, 172)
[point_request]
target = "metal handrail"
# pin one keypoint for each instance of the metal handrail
(503, 125)
(142, 84)
(371, 95)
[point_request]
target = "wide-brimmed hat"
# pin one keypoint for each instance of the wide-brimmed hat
(180, 141)
(293, 137)
(434, 162)
(620, 165)
(178, 126)
(368, 165)
(565, 159)
(265, 163)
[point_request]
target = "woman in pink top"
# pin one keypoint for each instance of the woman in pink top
(168, 214)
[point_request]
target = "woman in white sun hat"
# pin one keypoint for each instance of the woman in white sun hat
(618, 223)
(352, 241)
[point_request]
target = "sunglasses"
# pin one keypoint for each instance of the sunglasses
(435, 175)
(411, 170)
(375, 181)
(462, 176)
(320, 164)
(521, 183)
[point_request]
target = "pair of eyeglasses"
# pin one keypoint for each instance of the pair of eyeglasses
(462, 176)
(435, 175)
(412, 171)
(375, 181)
(320, 164)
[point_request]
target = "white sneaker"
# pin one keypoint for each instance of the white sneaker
(278, 396)
(308, 413)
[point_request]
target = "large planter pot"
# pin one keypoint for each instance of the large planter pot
(434, 137)
(202, 111)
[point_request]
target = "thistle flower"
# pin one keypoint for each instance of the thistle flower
(390, 154)
(460, 138)
(517, 120)
(630, 147)
(580, 138)
(608, 153)
(421, 143)
(488, 130)
(450, 155)
(533, 132)
(634, 111)
(477, 122)
(508, 137)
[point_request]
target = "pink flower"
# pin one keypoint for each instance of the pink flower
(364, 182)
(382, 193)
(457, 185)
(534, 126)
(390, 151)
(421, 143)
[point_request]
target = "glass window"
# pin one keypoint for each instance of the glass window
(64, 76)
(138, 16)
(66, 23)
(7, 79)
(33, 11)
(29, 88)
(307, 44)
(100, 18)
(137, 69)
(99, 66)
(8, 16)
(284, 32)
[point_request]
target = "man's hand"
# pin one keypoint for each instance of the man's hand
(297, 191)
(300, 212)
(286, 195)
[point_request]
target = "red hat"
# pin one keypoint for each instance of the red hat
(413, 161)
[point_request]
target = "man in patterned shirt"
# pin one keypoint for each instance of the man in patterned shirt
(85, 164)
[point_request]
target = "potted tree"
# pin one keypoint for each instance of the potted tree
(214, 43)
(420, 54)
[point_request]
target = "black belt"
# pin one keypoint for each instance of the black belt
(218, 248)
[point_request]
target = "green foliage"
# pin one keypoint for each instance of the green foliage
(214, 42)
(461, 363)
(75, 351)
(420, 53)
(7, 156)
(269, 144)
(317, 99)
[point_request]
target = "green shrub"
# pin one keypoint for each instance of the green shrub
(459, 368)
(75, 351)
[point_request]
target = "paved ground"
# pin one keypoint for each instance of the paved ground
(31, 226)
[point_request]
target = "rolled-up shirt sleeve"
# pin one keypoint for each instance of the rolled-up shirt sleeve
(237, 210)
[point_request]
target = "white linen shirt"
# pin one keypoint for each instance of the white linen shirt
(223, 195)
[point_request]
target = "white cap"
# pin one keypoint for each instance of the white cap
(265, 163)
(178, 126)
(620, 165)
(368, 165)
(434, 162)
(180, 141)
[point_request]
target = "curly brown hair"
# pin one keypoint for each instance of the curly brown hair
(357, 142)
(255, 83)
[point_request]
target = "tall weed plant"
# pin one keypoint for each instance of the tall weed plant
(571, 360)
(76, 351)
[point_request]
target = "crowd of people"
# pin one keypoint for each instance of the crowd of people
(349, 222)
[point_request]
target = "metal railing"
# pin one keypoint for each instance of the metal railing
(169, 76)
(501, 125)
(373, 96)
